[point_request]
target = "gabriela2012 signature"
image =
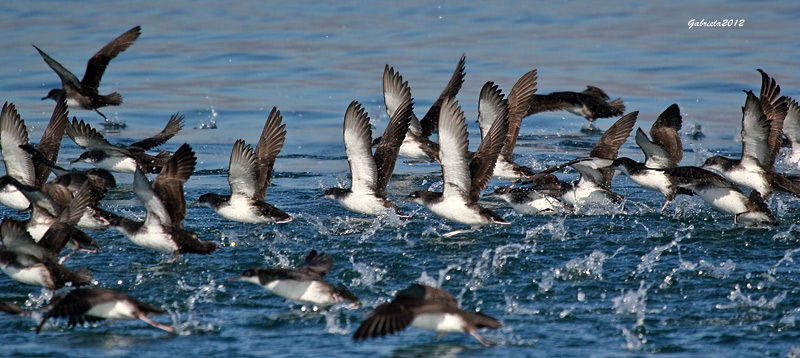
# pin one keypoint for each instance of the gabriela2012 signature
(716, 23)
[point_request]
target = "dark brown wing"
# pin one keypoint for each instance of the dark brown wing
(317, 264)
(775, 107)
(608, 145)
(169, 183)
(430, 121)
(519, 102)
(664, 133)
(174, 125)
(50, 144)
(98, 63)
(267, 149)
(482, 164)
(387, 318)
(77, 303)
(556, 101)
(386, 152)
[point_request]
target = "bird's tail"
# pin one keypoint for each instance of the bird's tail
(114, 99)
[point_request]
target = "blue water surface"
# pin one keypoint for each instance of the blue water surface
(607, 282)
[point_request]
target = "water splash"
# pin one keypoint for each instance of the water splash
(368, 274)
(633, 303)
(740, 300)
(649, 260)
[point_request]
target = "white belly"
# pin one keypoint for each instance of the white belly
(582, 195)
(442, 323)
(543, 204)
(13, 198)
(749, 179)
(153, 237)
(239, 209)
(724, 200)
(458, 211)
(114, 310)
(313, 292)
(411, 149)
(653, 180)
(36, 275)
(118, 164)
(364, 204)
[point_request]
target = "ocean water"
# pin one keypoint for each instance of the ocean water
(620, 281)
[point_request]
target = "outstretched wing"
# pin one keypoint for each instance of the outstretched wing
(98, 63)
(665, 134)
(267, 149)
(453, 146)
(13, 134)
(169, 183)
(243, 170)
(68, 79)
(755, 133)
(85, 136)
(386, 152)
(608, 145)
(358, 146)
(519, 102)
(174, 125)
(431, 119)
(482, 164)
(50, 144)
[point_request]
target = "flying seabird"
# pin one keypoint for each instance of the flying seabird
(417, 143)
(723, 195)
(665, 150)
(249, 175)
(118, 158)
(165, 204)
(84, 93)
(17, 159)
(490, 104)
(97, 304)
(464, 179)
(591, 104)
(370, 172)
(762, 128)
(791, 128)
(305, 284)
(424, 307)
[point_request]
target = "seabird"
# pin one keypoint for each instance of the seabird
(594, 184)
(84, 93)
(591, 104)
(417, 143)
(464, 179)
(118, 158)
(791, 128)
(305, 284)
(541, 197)
(370, 172)
(649, 178)
(97, 304)
(57, 231)
(490, 104)
(17, 159)
(723, 195)
(45, 272)
(165, 204)
(762, 124)
(665, 150)
(424, 307)
(249, 175)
